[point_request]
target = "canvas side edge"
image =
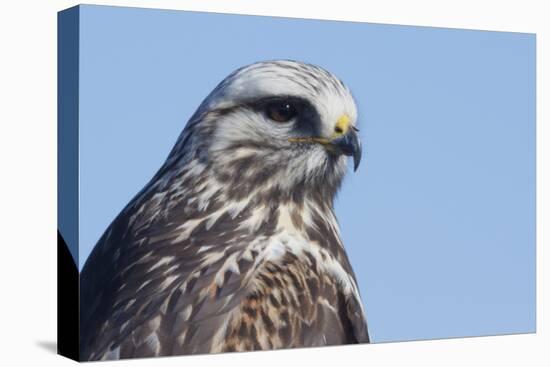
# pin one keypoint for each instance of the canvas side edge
(67, 183)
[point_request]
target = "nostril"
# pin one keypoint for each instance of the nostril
(338, 130)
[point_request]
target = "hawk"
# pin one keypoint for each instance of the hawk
(234, 245)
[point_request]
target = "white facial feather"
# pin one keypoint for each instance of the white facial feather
(287, 78)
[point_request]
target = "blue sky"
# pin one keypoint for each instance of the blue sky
(439, 220)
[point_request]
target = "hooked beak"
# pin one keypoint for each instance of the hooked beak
(350, 145)
(344, 141)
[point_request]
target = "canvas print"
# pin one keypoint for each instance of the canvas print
(232, 183)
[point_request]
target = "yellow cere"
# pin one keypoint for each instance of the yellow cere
(342, 125)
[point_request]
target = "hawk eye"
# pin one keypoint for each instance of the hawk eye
(281, 111)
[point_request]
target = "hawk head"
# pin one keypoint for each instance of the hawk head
(284, 125)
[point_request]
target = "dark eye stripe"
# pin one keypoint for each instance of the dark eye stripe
(307, 120)
(260, 104)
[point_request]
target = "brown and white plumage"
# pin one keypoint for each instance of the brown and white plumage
(234, 245)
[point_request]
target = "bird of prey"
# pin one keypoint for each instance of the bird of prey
(234, 245)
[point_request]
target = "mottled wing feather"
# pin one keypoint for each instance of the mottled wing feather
(148, 290)
(285, 304)
(144, 297)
